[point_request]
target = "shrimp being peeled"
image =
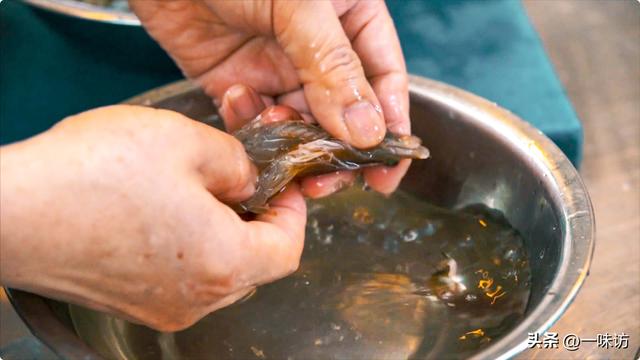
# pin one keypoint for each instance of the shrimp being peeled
(289, 149)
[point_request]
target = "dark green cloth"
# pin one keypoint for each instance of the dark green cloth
(489, 47)
(53, 66)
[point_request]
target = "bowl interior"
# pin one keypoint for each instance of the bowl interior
(469, 164)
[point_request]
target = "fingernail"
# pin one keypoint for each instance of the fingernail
(365, 124)
(244, 102)
(279, 113)
(248, 190)
(250, 187)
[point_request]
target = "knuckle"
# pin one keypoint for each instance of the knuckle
(339, 63)
(172, 122)
(215, 280)
(294, 265)
(242, 165)
(222, 284)
(175, 323)
(167, 315)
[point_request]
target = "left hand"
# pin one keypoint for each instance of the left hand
(123, 209)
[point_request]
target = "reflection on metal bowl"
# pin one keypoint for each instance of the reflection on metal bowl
(89, 10)
(481, 154)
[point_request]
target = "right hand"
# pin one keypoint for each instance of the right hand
(122, 209)
(337, 62)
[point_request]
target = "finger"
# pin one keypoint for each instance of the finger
(276, 238)
(229, 299)
(279, 113)
(373, 36)
(240, 104)
(335, 86)
(267, 100)
(296, 100)
(222, 165)
(386, 179)
(370, 29)
(323, 185)
(382, 179)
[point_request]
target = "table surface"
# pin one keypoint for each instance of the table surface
(595, 50)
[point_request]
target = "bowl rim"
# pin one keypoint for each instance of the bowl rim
(86, 11)
(556, 172)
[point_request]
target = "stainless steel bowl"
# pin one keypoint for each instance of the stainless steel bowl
(480, 154)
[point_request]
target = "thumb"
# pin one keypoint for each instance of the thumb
(335, 86)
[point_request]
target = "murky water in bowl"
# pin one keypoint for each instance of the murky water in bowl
(383, 278)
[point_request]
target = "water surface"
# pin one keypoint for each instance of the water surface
(383, 278)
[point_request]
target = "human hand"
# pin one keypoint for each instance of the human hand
(122, 209)
(339, 62)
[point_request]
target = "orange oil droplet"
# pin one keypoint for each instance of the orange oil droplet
(363, 215)
(472, 334)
